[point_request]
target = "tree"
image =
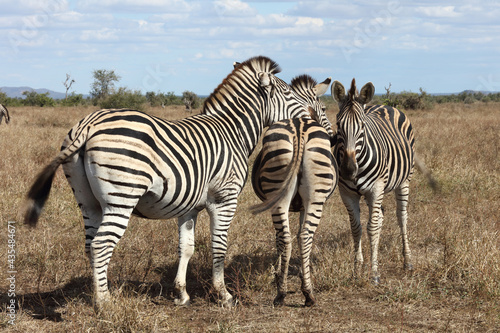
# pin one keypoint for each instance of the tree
(190, 100)
(104, 84)
(68, 84)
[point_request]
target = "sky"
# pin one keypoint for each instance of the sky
(179, 45)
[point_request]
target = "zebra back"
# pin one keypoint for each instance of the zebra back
(286, 147)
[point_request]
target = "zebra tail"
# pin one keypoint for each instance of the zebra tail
(292, 171)
(40, 190)
(430, 180)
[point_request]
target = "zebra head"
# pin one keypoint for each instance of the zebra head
(351, 121)
(309, 90)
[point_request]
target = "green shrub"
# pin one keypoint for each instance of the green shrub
(35, 99)
(123, 98)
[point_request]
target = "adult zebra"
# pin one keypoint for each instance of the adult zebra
(123, 162)
(375, 149)
(295, 171)
(4, 113)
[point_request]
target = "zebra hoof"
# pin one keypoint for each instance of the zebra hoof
(182, 302)
(376, 280)
(408, 267)
(228, 303)
(310, 300)
(279, 300)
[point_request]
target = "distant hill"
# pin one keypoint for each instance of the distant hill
(14, 92)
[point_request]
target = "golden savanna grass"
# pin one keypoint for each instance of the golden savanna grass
(454, 236)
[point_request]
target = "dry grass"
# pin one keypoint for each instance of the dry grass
(454, 237)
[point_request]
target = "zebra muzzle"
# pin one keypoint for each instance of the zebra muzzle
(349, 166)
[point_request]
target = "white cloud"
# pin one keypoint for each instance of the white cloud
(439, 11)
(135, 6)
(100, 35)
(233, 8)
(34, 7)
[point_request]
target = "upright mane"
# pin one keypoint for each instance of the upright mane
(304, 82)
(353, 92)
(255, 64)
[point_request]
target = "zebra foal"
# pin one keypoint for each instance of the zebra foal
(124, 162)
(295, 171)
(375, 150)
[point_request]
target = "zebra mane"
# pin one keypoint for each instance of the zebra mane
(256, 64)
(353, 92)
(303, 81)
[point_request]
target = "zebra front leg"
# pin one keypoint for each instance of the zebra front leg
(402, 194)
(374, 227)
(284, 250)
(351, 202)
(186, 225)
(221, 215)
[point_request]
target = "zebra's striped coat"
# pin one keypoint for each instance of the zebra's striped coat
(294, 171)
(121, 162)
(4, 113)
(375, 149)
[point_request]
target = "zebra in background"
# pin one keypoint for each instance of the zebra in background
(123, 162)
(375, 149)
(4, 113)
(295, 171)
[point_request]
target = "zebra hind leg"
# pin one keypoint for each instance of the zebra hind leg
(110, 231)
(309, 221)
(402, 194)
(284, 250)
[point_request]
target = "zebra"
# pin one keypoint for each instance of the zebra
(375, 149)
(121, 162)
(295, 171)
(4, 113)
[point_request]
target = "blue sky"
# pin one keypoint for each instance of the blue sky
(178, 45)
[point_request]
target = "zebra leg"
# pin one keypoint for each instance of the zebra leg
(374, 201)
(221, 215)
(402, 194)
(111, 230)
(89, 206)
(351, 202)
(284, 250)
(187, 224)
(309, 221)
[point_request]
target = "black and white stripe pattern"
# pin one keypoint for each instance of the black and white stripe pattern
(295, 171)
(375, 149)
(4, 113)
(123, 162)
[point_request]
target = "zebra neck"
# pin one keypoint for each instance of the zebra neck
(241, 121)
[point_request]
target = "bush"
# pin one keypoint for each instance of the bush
(123, 98)
(73, 100)
(159, 98)
(35, 99)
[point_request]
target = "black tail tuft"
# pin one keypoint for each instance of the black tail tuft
(39, 193)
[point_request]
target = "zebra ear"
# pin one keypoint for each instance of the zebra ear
(366, 93)
(338, 91)
(321, 88)
(236, 64)
(264, 79)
